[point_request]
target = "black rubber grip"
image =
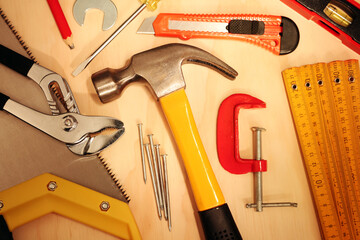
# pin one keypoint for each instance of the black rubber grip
(238, 26)
(3, 100)
(5, 233)
(290, 36)
(218, 224)
(15, 61)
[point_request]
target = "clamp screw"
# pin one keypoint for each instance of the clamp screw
(52, 186)
(259, 204)
(104, 206)
(1, 204)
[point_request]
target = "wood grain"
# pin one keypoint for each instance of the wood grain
(259, 76)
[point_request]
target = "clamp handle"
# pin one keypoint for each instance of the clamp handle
(227, 136)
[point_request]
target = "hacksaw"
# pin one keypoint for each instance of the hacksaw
(325, 106)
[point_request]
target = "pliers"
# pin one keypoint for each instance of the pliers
(83, 135)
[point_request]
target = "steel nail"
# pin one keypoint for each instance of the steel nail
(161, 179)
(156, 169)
(142, 151)
(153, 179)
(166, 181)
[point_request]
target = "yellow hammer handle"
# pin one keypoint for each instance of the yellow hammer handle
(204, 185)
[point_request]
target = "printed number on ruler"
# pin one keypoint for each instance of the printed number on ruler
(300, 94)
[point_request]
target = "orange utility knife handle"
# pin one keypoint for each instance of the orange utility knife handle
(279, 35)
(269, 40)
(214, 213)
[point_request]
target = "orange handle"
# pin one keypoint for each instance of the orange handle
(269, 40)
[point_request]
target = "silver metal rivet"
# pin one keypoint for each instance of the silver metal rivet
(1, 204)
(52, 186)
(104, 206)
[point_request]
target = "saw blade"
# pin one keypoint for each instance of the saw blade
(26, 152)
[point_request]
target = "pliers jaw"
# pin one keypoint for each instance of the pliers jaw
(101, 136)
(83, 135)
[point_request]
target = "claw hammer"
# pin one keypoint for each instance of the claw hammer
(161, 68)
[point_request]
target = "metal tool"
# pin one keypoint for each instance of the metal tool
(27, 153)
(259, 204)
(161, 178)
(156, 170)
(80, 133)
(161, 68)
(106, 6)
(227, 140)
(151, 4)
(55, 88)
(166, 187)
(151, 167)
(277, 34)
(142, 150)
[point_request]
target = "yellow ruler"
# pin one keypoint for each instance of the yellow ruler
(325, 104)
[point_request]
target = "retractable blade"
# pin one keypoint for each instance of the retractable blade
(277, 34)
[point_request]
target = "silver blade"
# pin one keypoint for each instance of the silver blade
(147, 26)
(198, 26)
(195, 26)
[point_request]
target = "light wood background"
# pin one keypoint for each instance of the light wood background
(259, 76)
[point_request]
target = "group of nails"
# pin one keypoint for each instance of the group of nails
(158, 171)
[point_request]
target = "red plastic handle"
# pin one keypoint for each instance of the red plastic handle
(270, 40)
(227, 137)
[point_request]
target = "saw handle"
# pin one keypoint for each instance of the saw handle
(15, 61)
(214, 212)
(3, 100)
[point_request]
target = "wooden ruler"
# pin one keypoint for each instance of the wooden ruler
(325, 104)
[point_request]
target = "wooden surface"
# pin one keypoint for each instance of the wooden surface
(259, 76)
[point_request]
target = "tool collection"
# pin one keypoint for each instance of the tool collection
(158, 172)
(323, 100)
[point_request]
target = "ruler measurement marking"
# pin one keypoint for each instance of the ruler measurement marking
(324, 101)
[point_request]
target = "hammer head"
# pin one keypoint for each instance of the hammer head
(160, 67)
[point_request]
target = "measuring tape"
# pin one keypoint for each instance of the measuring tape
(325, 105)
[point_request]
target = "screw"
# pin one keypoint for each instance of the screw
(259, 204)
(52, 186)
(1, 204)
(104, 206)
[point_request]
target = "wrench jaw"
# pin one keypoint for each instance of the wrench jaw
(106, 6)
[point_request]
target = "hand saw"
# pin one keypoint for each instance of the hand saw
(277, 34)
(27, 153)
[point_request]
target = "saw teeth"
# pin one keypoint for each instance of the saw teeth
(113, 177)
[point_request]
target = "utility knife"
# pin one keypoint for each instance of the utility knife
(277, 34)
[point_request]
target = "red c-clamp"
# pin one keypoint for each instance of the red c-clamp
(227, 136)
